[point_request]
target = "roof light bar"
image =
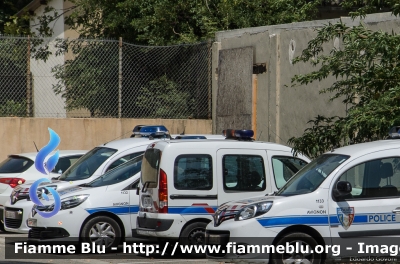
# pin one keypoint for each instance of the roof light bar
(137, 128)
(190, 137)
(394, 132)
(238, 134)
(148, 130)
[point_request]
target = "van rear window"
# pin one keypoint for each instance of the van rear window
(150, 166)
(193, 172)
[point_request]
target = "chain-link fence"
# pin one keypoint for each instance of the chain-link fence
(103, 78)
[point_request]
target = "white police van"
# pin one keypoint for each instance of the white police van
(183, 182)
(102, 212)
(342, 198)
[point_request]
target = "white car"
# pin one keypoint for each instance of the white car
(350, 194)
(19, 169)
(103, 211)
(92, 165)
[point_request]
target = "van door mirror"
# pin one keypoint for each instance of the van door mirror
(343, 188)
(137, 190)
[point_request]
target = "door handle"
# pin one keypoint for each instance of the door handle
(397, 210)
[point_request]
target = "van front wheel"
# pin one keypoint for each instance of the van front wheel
(103, 231)
(306, 253)
(194, 234)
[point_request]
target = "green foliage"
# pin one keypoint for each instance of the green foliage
(13, 61)
(90, 78)
(360, 8)
(9, 22)
(11, 108)
(367, 73)
(164, 22)
(165, 98)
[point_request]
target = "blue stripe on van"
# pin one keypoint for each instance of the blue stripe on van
(194, 210)
(293, 220)
(119, 210)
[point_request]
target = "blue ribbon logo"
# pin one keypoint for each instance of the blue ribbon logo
(34, 197)
(46, 168)
(45, 151)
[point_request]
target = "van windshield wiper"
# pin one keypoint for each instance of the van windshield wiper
(85, 185)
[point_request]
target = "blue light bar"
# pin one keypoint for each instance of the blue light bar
(190, 137)
(137, 128)
(394, 132)
(244, 133)
(153, 131)
(238, 134)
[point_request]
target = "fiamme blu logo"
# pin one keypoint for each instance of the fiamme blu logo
(46, 166)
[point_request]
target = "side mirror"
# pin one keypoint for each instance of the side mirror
(342, 189)
(137, 190)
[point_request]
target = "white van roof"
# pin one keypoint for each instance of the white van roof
(227, 143)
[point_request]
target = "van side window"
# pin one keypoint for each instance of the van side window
(284, 168)
(193, 172)
(374, 179)
(243, 173)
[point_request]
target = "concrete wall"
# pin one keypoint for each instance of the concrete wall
(18, 134)
(283, 112)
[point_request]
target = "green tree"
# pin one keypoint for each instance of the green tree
(165, 99)
(9, 22)
(148, 22)
(90, 80)
(164, 22)
(367, 72)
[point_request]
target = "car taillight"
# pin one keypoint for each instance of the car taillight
(13, 182)
(163, 193)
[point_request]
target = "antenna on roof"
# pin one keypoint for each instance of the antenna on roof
(116, 138)
(35, 146)
(183, 133)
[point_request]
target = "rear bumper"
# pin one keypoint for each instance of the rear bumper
(153, 224)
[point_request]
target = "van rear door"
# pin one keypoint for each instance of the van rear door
(193, 189)
(149, 200)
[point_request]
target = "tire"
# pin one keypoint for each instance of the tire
(109, 235)
(2, 227)
(295, 258)
(194, 234)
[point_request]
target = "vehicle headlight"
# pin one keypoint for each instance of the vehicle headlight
(253, 210)
(66, 203)
(73, 201)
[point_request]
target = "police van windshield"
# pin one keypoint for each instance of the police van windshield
(87, 164)
(312, 175)
(119, 174)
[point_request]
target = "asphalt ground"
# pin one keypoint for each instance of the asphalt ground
(106, 258)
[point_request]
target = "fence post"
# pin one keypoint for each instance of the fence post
(120, 79)
(209, 71)
(28, 79)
